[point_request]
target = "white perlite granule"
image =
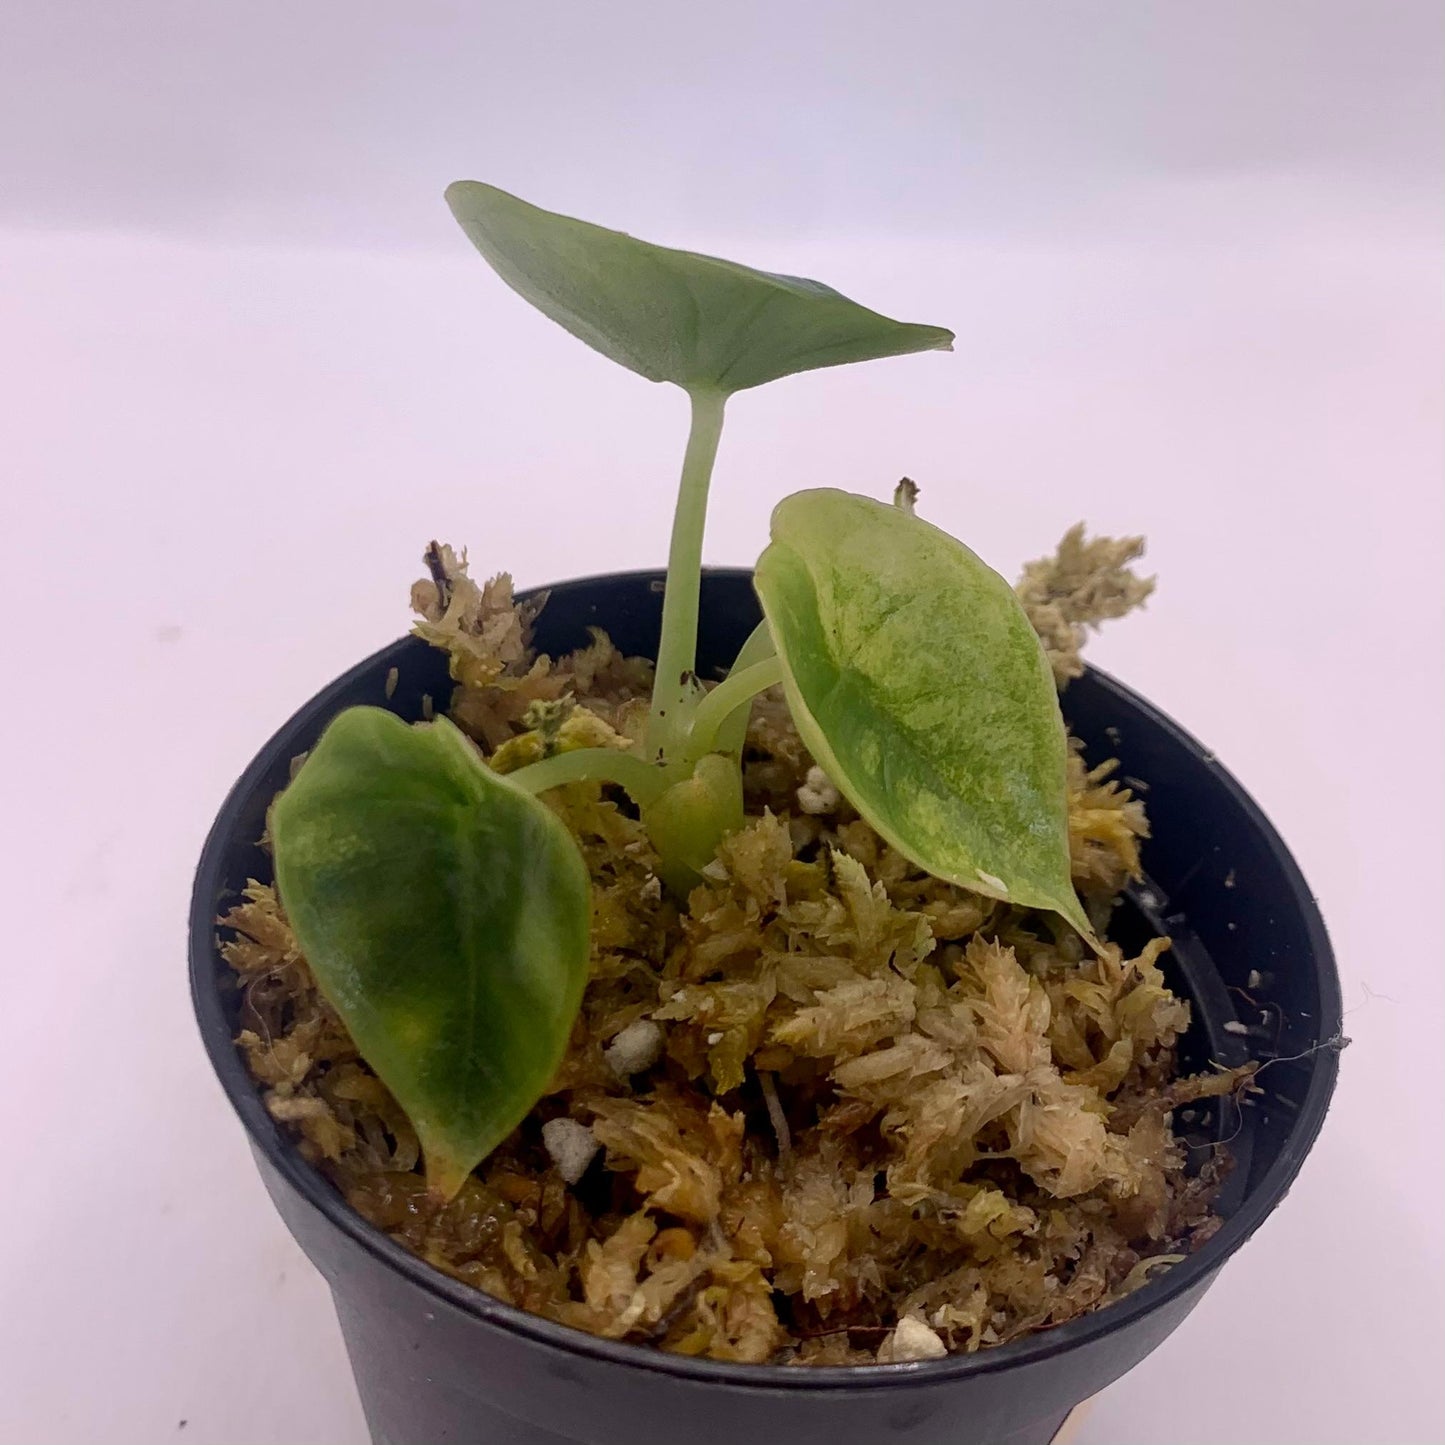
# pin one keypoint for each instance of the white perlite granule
(637, 1047)
(571, 1145)
(817, 794)
(911, 1340)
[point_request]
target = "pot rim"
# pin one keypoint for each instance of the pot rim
(282, 1155)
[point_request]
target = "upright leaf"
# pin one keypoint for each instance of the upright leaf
(670, 315)
(918, 684)
(445, 915)
(732, 736)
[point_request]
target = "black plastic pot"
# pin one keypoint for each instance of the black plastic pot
(436, 1361)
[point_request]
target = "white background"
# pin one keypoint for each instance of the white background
(248, 367)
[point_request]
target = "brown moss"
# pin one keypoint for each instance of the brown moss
(878, 1096)
(1083, 584)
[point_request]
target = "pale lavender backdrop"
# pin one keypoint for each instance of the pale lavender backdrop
(248, 367)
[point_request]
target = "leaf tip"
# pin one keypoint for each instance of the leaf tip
(472, 200)
(456, 191)
(445, 1175)
(1071, 910)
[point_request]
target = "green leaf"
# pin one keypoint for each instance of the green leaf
(669, 315)
(445, 915)
(918, 684)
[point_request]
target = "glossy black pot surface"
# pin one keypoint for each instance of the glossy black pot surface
(436, 1361)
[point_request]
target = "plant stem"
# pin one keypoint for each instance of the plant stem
(672, 693)
(731, 734)
(735, 691)
(758, 648)
(599, 765)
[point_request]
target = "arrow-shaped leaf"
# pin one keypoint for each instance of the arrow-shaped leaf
(445, 915)
(670, 315)
(917, 682)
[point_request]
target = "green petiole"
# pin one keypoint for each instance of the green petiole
(643, 781)
(738, 689)
(675, 688)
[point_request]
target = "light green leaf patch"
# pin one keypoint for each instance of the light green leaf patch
(701, 322)
(918, 684)
(689, 820)
(445, 915)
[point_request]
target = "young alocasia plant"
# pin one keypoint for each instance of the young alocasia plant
(444, 909)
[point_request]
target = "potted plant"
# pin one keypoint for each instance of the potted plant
(781, 1038)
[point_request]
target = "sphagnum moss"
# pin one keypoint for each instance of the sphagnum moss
(867, 1096)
